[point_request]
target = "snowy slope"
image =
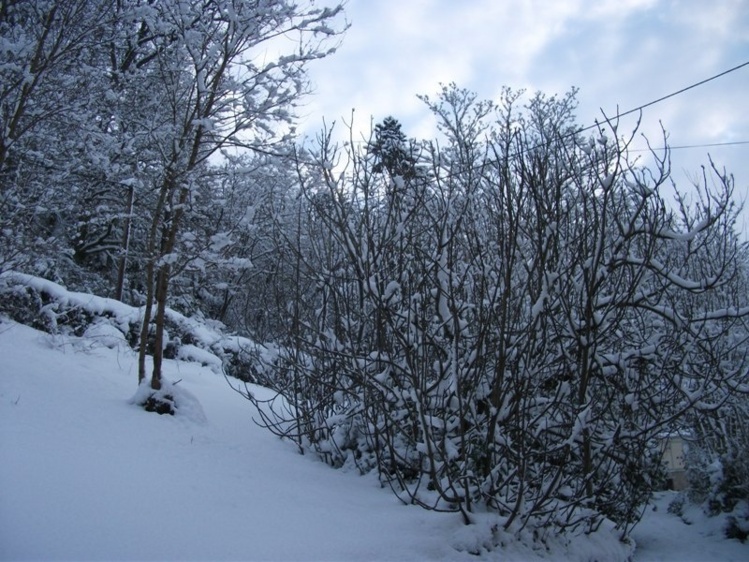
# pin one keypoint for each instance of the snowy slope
(86, 475)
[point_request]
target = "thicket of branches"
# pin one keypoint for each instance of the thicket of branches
(513, 323)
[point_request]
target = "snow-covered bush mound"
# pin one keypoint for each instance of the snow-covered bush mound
(179, 401)
(50, 307)
(102, 332)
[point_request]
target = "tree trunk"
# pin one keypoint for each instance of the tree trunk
(147, 311)
(162, 286)
(150, 270)
(125, 245)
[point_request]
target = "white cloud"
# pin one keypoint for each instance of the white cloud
(619, 52)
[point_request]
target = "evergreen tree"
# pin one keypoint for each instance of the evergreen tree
(392, 151)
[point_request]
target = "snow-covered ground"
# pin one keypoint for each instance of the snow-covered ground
(84, 474)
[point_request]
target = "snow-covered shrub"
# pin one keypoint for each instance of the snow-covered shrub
(170, 399)
(676, 507)
(105, 333)
(508, 332)
(25, 306)
(699, 475)
(718, 457)
(735, 484)
(719, 484)
(737, 525)
(52, 308)
(32, 305)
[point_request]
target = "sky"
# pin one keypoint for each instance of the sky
(619, 53)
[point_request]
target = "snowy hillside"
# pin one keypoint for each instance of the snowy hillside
(87, 475)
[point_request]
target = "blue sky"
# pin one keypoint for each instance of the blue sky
(619, 53)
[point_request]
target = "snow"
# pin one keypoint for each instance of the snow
(693, 537)
(104, 333)
(194, 353)
(86, 474)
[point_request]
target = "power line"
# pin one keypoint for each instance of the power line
(733, 143)
(671, 95)
(640, 108)
(700, 83)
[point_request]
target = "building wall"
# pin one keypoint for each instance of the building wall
(673, 459)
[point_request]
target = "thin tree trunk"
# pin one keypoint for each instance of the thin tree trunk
(150, 270)
(125, 245)
(162, 289)
(162, 286)
(146, 322)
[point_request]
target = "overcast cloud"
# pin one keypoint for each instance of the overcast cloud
(619, 53)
